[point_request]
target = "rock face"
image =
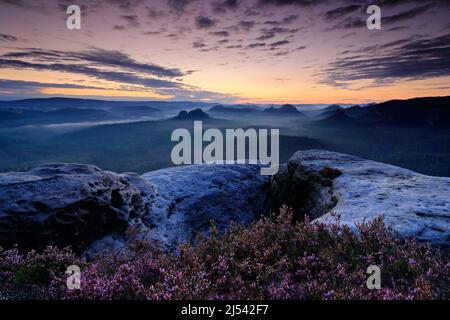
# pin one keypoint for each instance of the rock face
(90, 209)
(187, 198)
(412, 204)
(67, 204)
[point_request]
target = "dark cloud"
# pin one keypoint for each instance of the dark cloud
(403, 59)
(97, 58)
(119, 27)
(342, 11)
(286, 20)
(270, 33)
(199, 44)
(247, 25)
(154, 14)
(7, 37)
(399, 28)
(358, 18)
(33, 86)
(238, 46)
(115, 76)
(36, 5)
(224, 6)
(132, 20)
(179, 6)
(302, 3)
(125, 4)
(279, 43)
(256, 45)
(404, 15)
(220, 33)
(203, 22)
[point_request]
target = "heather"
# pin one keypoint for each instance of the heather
(275, 258)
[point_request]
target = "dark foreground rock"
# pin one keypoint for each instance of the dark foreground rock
(91, 209)
(66, 204)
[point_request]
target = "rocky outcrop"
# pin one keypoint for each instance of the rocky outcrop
(188, 198)
(91, 209)
(67, 204)
(360, 190)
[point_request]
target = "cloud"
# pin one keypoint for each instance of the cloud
(301, 3)
(279, 43)
(179, 6)
(119, 27)
(220, 33)
(203, 22)
(132, 20)
(224, 6)
(247, 25)
(154, 14)
(125, 4)
(96, 57)
(103, 65)
(342, 11)
(403, 59)
(115, 76)
(273, 32)
(406, 15)
(256, 45)
(35, 87)
(199, 44)
(7, 37)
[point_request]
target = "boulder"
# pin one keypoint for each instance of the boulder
(91, 210)
(67, 204)
(188, 198)
(413, 205)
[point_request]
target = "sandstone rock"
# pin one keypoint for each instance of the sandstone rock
(90, 209)
(67, 204)
(412, 204)
(187, 198)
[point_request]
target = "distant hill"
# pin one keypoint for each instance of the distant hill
(197, 114)
(17, 117)
(333, 107)
(233, 110)
(134, 111)
(433, 112)
(59, 103)
(355, 111)
(286, 109)
(339, 117)
(329, 111)
(420, 112)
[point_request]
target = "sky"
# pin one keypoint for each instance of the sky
(228, 51)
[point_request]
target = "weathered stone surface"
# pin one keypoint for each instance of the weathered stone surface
(67, 204)
(412, 204)
(90, 209)
(187, 198)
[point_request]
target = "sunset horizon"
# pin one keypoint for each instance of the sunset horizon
(255, 51)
